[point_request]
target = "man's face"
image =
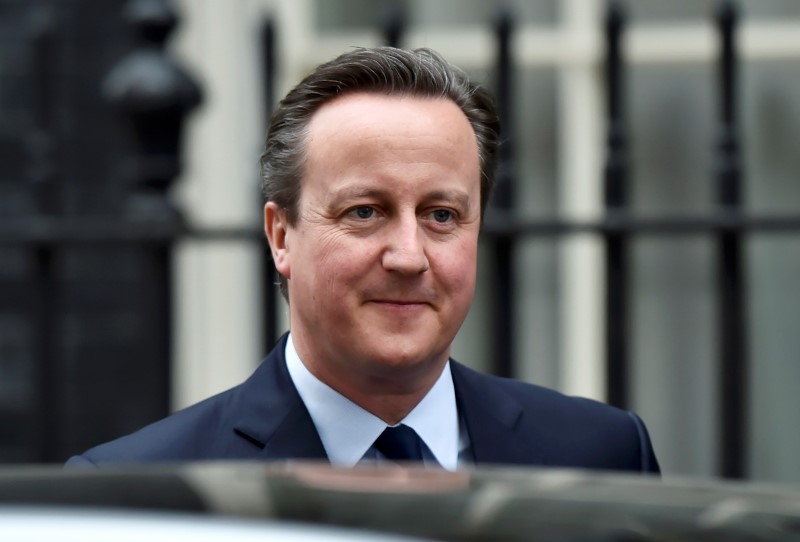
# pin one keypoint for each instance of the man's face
(381, 262)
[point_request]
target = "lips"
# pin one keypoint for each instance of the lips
(401, 297)
(400, 306)
(399, 302)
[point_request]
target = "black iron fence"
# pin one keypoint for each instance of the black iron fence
(89, 136)
(84, 289)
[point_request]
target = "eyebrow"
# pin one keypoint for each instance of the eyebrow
(355, 192)
(460, 198)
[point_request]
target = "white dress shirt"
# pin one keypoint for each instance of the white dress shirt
(348, 432)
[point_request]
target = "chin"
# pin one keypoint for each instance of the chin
(409, 356)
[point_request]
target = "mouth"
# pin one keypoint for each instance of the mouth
(398, 302)
(400, 299)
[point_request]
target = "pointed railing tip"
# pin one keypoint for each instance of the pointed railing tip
(616, 13)
(726, 11)
(154, 20)
(393, 22)
(503, 18)
(147, 80)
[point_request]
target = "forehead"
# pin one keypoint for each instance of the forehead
(377, 132)
(389, 113)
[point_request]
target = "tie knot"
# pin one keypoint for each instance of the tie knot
(400, 443)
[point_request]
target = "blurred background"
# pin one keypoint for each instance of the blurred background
(130, 287)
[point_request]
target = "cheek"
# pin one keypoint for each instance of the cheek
(337, 262)
(458, 269)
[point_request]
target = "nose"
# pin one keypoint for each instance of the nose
(405, 251)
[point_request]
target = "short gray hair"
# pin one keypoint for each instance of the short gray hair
(421, 72)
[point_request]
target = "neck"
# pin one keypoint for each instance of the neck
(390, 399)
(388, 392)
(392, 409)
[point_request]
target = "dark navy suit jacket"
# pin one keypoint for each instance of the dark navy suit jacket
(509, 422)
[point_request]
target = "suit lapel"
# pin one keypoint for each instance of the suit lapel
(269, 413)
(295, 438)
(492, 419)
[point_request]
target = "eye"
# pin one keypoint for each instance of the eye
(363, 212)
(442, 215)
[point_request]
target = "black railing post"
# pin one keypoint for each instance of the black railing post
(270, 293)
(42, 145)
(46, 316)
(731, 280)
(46, 309)
(393, 23)
(155, 95)
(503, 204)
(616, 199)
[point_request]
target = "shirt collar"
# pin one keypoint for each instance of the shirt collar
(347, 431)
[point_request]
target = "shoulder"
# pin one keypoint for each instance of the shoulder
(570, 431)
(189, 434)
(546, 402)
(225, 426)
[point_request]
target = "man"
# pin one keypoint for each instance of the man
(377, 171)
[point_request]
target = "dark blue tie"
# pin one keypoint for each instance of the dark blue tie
(400, 443)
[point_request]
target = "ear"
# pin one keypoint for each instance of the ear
(276, 227)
